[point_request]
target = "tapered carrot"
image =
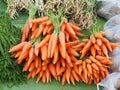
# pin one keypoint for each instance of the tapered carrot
(62, 28)
(39, 69)
(93, 39)
(44, 67)
(99, 52)
(72, 79)
(29, 75)
(62, 62)
(23, 34)
(76, 28)
(27, 31)
(34, 73)
(49, 22)
(92, 59)
(44, 41)
(17, 54)
(69, 29)
(46, 29)
(88, 61)
(68, 72)
(17, 47)
(32, 66)
(73, 59)
(93, 51)
(39, 76)
(75, 75)
(25, 68)
(72, 52)
(98, 57)
(102, 33)
(52, 69)
(62, 42)
(69, 44)
(104, 49)
(67, 36)
(80, 69)
(85, 41)
(44, 77)
(56, 55)
(98, 35)
(36, 50)
(37, 61)
(113, 45)
(33, 34)
(79, 62)
(95, 66)
(79, 34)
(48, 75)
(50, 30)
(54, 44)
(96, 47)
(86, 48)
(99, 42)
(64, 79)
(76, 69)
(68, 59)
(84, 64)
(85, 75)
(89, 68)
(40, 20)
(80, 45)
(44, 52)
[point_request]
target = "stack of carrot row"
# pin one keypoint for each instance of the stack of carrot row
(50, 51)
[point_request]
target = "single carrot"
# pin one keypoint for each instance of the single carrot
(36, 50)
(62, 43)
(102, 33)
(62, 62)
(57, 66)
(76, 28)
(56, 55)
(44, 52)
(67, 37)
(104, 49)
(93, 39)
(64, 79)
(96, 47)
(17, 47)
(62, 70)
(34, 73)
(50, 30)
(86, 48)
(113, 45)
(27, 31)
(98, 57)
(69, 29)
(33, 34)
(93, 51)
(17, 54)
(44, 77)
(99, 42)
(68, 59)
(88, 61)
(46, 29)
(69, 44)
(48, 75)
(38, 69)
(73, 59)
(79, 34)
(72, 79)
(37, 61)
(89, 68)
(99, 52)
(76, 69)
(92, 59)
(54, 44)
(85, 41)
(39, 76)
(62, 28)
(40, 20)
(68, 72)
(40, 30)
(75, 75)
(80, 45)
(79, 62)
(72, 52)
(84, 64)
(95, 66)
(44, 41)
(32, 66)
(29, 75)
(52, 69)
(98, 35)
(23, 34)
(80, 69)
(49, 22)
(44, 67)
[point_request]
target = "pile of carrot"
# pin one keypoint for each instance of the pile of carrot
(49, 51)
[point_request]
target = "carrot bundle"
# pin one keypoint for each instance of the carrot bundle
(48, 50)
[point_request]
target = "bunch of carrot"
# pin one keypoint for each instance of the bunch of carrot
(50, 48)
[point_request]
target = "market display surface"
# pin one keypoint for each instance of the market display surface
(52, 51)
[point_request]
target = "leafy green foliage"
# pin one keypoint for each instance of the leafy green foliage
(9, 36)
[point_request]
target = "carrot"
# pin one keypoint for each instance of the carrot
(93, 39)
(92, 59)
(44, 67)
(69, 44)
(80, 45)
(89, 68)
(17, 54)
(104, 49)
(72, 52)
(98, 35)
(93, 51)
(36, 50)
(62, 70)
(57, 66)
(41, 28)
(62, 28)
(56, 55)
(25, 68)
(69, 29)
(23, 34)
(27, 31)
(49, 22)
(32, 66)
(62, 62)
(95, 66)
(52, 69)
(84, 64)
(72, 79)
(44, 52)
(99, 52)
(75, 75)
(88, 61)
(38, 69)
(96, 47)
(48, 75)
(46, 29)
(86, 48)
(50, 30)
(98, 57)
(39, 76)
(113, 45)
(33, 34)
(68, 72)
(31, 56)
(44, 41)
(33, 73)
(64, 79)
(37, 61)
(73, 59)
(102, 33)
(54, 44)
(62, 43)
(29, 75)
(68, 59)
(85, 75)
(99, 42)
(79, 62)
(79, 34)
(17, 47)
(67, 37)
(80, 69)
(76, 69)
(44, 77)
(85, 41)
(40, 20)
(76, 28)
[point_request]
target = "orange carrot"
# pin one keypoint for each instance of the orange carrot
(52, 69)
(96, 47)
(113, 45)
(32, 66)
(50, 30)
(40, 30)
(84, 64)
(69, 44)
(40, 20)
(104, 49)
(85, 41)
(79, 34)
(102, 33)
(73, 59)
(33, 73)
(94, 66)
(67, 37)
(68, 72)
(37, 61)
(62, 28)
(98, 35)
(79, 62)
(46, 29)
(33, 34)
(89, 68)
(36, 50)
(62, 70)
(44, 52)
(64, 79)
(68, 59)
(80, 69)
(44, 77)
(93, 51)
(56, 55)
(99, 42)
(76, 28)
(72, 79)
(93, 39)
(39, 76)
(44, 41)
(72, 52)
(49, 22)
(88, 61)
(48, 75)
(75, 75)
(17, 47)
(62, 43)
(69, 29)
(76, 69)
(57, 66)
(62, 61)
